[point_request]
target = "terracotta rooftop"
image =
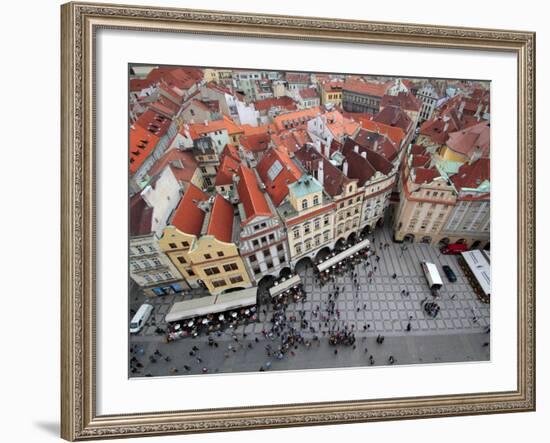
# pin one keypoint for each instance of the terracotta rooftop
(339, 125)
(295, 77)
(277, 171)
(182, 163)
(220, 224)
(334, 180)
(425, 175)
(469, 140)
(250, 195)
(295, 119)
(378, 143)
(188, 217)
(472, 175)
(308, 93)
(291, 140)
(226, 171)
(201, 129)
(255, 142)
(366, 88)
(363, 168)
(153, 122)
(281, 102)
(333, 86)
(438, 128)
(394, 133)
(394, 116)
(142, 143)
(403, 100)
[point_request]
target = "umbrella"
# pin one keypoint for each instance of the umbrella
(191, 323)
(204, 321)
(233, 314)
(221, 317)
(247, 311)
(177, 326)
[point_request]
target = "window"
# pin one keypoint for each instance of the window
(267, 253)
(263, 225)
(230, 267)
(172, 245)
(218, 283)
(308, 245)
(167, 276)
(252, 258)
(317, 224)
(304, 204)
(207, 256)
(236, 279)
(212, 271)
(326, 220)
(255, 243)
(315, 200)
(148, 278)
(307, 228)
(271, 237)
(269, 265)
(299, 248)
(220, 254)
(185, 244)
(191, 273)
(296, 233)
(326, 235)
(256, 270)
(280, 247)
(181, 259)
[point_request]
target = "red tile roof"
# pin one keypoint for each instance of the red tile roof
(231, 151)
(289, 173)
(251, 196)
(153, 122)
(281, 102)
(181, 78)
(220, 224)
(308, 93)
(294, 77)
(295, 119)
(226, 171)
(333, 86)
(183, 164)
(394, 116)
(403, 100)
(366, 88)
(188, 217)
(255, 142)
(378, 143)
(425, 175)
(291, 140)
(438, 128)
(472, 175)
(142, 143)
(334, 180)
(419, 160)
(394, 133)
(198, 130)
(471, 139)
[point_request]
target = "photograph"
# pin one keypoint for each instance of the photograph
(282, 220)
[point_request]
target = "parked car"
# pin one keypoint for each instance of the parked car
(141, 316)
(454, 249)
(451, 276)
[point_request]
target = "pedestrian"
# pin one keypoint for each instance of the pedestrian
(394, 276)
(391, 360)
(409, 327)
(336, 352)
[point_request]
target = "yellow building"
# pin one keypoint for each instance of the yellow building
(214, 256)
(199, 243)
(331, 92)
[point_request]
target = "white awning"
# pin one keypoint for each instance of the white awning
(343, 255)
(480, 266)
(213, 304)
(191, 308)
(282, 286)
(235, 300)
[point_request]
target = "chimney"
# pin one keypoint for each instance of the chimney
(206, 123)
(321, 172)
(375, 146)
(476, 155)
(356, 149)
(345, 167)
(364, 154)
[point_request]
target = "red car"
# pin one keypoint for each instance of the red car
(454, 249)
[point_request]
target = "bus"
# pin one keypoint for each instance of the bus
(432, 276)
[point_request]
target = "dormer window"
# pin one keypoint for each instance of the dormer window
(304, 204)
(315, 200)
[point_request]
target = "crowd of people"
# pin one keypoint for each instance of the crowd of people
(343, 266)
(211, 323)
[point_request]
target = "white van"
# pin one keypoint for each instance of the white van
(142, 315)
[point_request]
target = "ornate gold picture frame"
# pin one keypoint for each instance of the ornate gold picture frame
(80, 21)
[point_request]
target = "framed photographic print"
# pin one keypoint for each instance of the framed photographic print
(282, 221)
